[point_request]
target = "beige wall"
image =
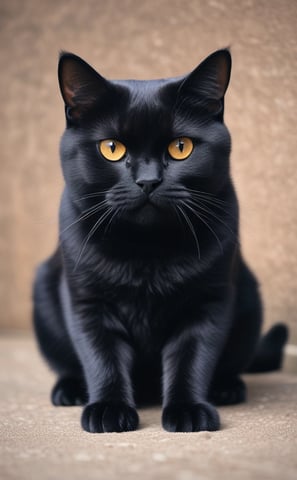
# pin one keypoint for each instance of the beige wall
(150, 39)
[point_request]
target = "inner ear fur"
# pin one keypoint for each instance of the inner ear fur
(211, 78)
(80, 84)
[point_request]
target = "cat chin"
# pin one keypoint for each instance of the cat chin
(149, 215)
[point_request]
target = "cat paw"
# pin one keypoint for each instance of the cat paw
(228, 392)
(108, 417)
(190, 418)
(69, 391)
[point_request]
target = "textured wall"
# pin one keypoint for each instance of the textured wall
(150, 39)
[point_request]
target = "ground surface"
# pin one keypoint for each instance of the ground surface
(258, 440)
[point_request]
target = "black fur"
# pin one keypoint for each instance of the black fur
(147, 296)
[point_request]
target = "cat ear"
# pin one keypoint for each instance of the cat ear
(209, 81)
(81, 86)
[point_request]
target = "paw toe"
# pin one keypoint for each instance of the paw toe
(190, 418)
(68, 392)
(228, 392)
(107, 417)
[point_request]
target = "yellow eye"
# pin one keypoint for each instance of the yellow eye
(180, 148)
(112, 150)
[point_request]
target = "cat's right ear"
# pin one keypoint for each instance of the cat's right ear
(81, 86)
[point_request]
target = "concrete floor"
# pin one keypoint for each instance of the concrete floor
(258, 440)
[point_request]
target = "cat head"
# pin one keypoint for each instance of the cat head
(143, 148)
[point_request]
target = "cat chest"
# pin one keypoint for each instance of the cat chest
(149, 322)
(145, 324)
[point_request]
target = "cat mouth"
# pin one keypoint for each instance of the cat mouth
(149, 212)
(145, 207)
(150, 204)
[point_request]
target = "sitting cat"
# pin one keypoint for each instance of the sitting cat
(147, 297)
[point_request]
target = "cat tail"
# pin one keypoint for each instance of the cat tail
(270, 351)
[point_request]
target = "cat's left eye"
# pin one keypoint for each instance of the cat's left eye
(180, 148)
(112, 150)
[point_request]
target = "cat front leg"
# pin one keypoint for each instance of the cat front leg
(107, 368)
(189, 360)
(107, 360)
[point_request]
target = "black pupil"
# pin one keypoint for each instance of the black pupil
(112, 146)
(181, 145)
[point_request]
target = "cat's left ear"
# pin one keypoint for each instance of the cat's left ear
(209, 81)
(81, 86)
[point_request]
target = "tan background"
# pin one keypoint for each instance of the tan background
(149, 39)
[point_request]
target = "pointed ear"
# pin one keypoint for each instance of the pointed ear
(209, 81)
(81, 86)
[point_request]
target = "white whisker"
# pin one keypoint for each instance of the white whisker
(91, 233)
(210, 212)
(200, 217)
(111, 220)
(86, 214)
(190, 225)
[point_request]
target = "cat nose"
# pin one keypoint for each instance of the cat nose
(148, 185)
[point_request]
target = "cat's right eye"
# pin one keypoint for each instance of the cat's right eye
(112, 150)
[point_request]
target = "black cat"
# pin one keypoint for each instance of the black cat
(147, 296)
